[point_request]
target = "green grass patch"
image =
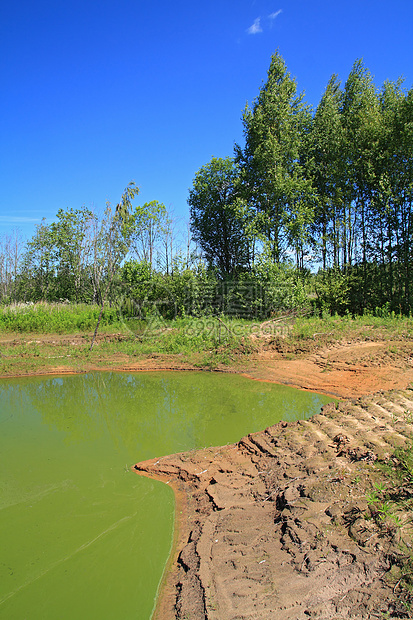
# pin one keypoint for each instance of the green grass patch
(47, 318)
(366, 327)
(208, 341)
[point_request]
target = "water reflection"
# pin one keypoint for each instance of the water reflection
(83, 537)
(153, 414)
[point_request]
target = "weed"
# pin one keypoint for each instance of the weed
(394, 350)
(408, 416)
(372, 498)
(405, 459)
(396, 519)
(384, 509)
(327, 366)
(390, 506)
(408, 606)
(333, 328)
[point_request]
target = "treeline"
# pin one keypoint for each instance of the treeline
(314, 211)
(68, 261)
(330, 190)
(77, 256)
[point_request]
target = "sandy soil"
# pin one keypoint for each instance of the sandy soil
(278, 525)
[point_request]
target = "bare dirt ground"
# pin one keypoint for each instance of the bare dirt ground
(345, 369)
(281, 525)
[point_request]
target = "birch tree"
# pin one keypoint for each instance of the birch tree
(111, 246)
(272, 171)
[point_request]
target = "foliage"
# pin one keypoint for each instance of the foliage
(265, 290)
(219, 219)
(323, 160)
(56, 263)
(332, 288)
(150, 223)
(273, 176)
(43, 318)
(111, 245)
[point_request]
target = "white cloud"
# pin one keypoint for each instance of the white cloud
(275, 14)
(256, 27)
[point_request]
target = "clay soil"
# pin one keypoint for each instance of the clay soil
(281, 525)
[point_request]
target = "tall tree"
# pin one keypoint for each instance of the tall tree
(392, 197)
(272, 173)
(150, 225)
(111, 245)
(219, 221)
(70, 234)
(38, 277)
(11, 251)
(324, 166)
(405, 158)
(58, 257)
(361, 124)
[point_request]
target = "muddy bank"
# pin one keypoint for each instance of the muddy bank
(279, 524)
(344, 369)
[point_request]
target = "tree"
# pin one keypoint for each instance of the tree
(38, 277)
(151, 224)
(57, 259)
(11, 247)
(111, 245)
(393, 196)
(324, 166)
(404, 155)
(70, 235)
(272, 173)
(361, 126)
(219, 220)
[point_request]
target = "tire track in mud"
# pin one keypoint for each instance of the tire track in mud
(274, 526)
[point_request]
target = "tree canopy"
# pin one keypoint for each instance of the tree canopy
(219, 220)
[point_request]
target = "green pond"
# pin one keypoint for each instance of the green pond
(81, 535)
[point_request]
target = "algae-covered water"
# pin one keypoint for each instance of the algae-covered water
(81, 536)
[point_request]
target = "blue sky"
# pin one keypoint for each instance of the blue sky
(98, 93)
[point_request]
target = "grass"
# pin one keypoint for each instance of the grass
(47, 318)
(61, 318)
(35, 338)
(28, 345)
(366, 327)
